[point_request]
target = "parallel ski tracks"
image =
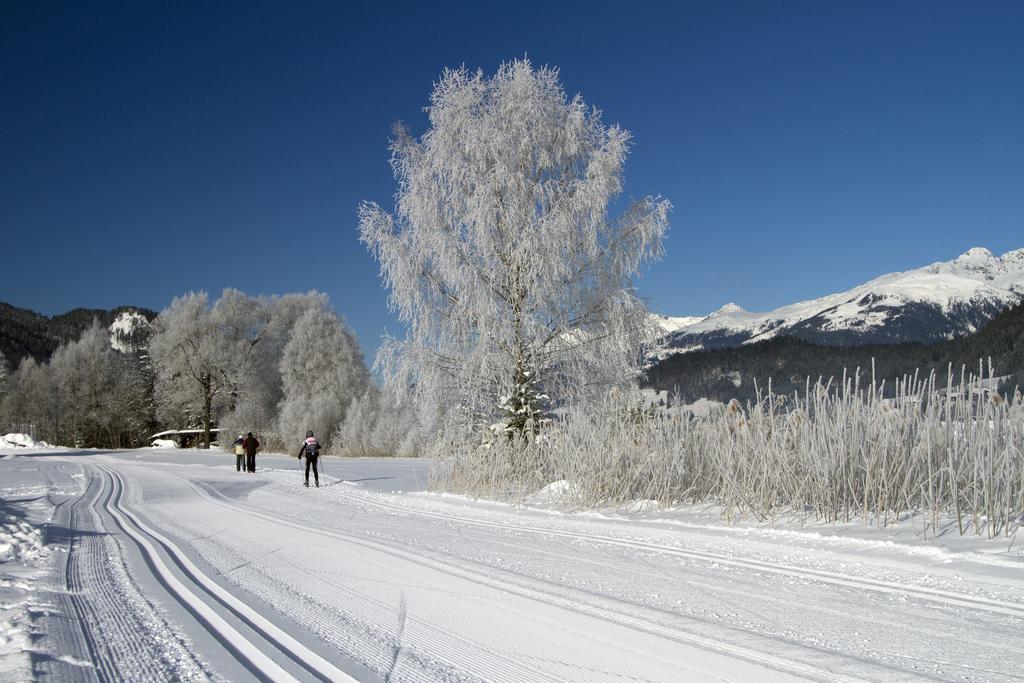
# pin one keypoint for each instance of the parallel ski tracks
(208, 601)
(364, 610)
(862, 583)
(206, 593)
(81, 636)
(116, 638)
(549, 598)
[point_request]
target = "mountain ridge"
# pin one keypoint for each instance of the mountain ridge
(940, 301)
(738, 372)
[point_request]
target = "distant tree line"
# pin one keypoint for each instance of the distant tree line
(87, 394)
(281, 365)
(276, 366)
(725, 374)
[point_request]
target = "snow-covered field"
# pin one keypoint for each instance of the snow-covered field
(164, 564)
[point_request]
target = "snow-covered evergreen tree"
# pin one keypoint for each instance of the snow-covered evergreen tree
(501, 254)
(133, 407)
(133, 404)
(322, 371)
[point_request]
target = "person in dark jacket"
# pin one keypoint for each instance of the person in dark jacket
(311, 449)
(239, 453)
(250, 445)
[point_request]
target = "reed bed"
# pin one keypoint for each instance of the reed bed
(839, 451)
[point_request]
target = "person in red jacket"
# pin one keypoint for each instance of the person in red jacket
(250, 445)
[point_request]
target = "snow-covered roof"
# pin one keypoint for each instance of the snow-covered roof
(177, 432)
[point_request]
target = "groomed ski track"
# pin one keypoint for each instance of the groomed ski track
(256, 659)
(254, 577)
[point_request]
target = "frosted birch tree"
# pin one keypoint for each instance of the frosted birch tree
(501, 254)
(33, 397)
(379, 424)
(243, 322)
(322, 371)
(85, 373)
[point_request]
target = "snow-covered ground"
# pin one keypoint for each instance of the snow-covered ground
(164, 564)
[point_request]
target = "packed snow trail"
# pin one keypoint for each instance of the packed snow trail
(253, 654)
(350, 589)
(120, 642)
(237, 576)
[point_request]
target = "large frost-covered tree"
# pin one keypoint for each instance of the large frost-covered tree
(501, 254)
(260, 389)
(322, 371)
(201, 352)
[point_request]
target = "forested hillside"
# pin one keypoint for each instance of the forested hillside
(723, 374)
(24, 332)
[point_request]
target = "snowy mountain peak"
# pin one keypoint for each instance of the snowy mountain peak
(976, 254)
(940, 301)
(727, 309)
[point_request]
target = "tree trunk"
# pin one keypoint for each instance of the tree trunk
(207, 409)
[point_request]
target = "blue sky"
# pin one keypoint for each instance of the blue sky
(149, 149)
